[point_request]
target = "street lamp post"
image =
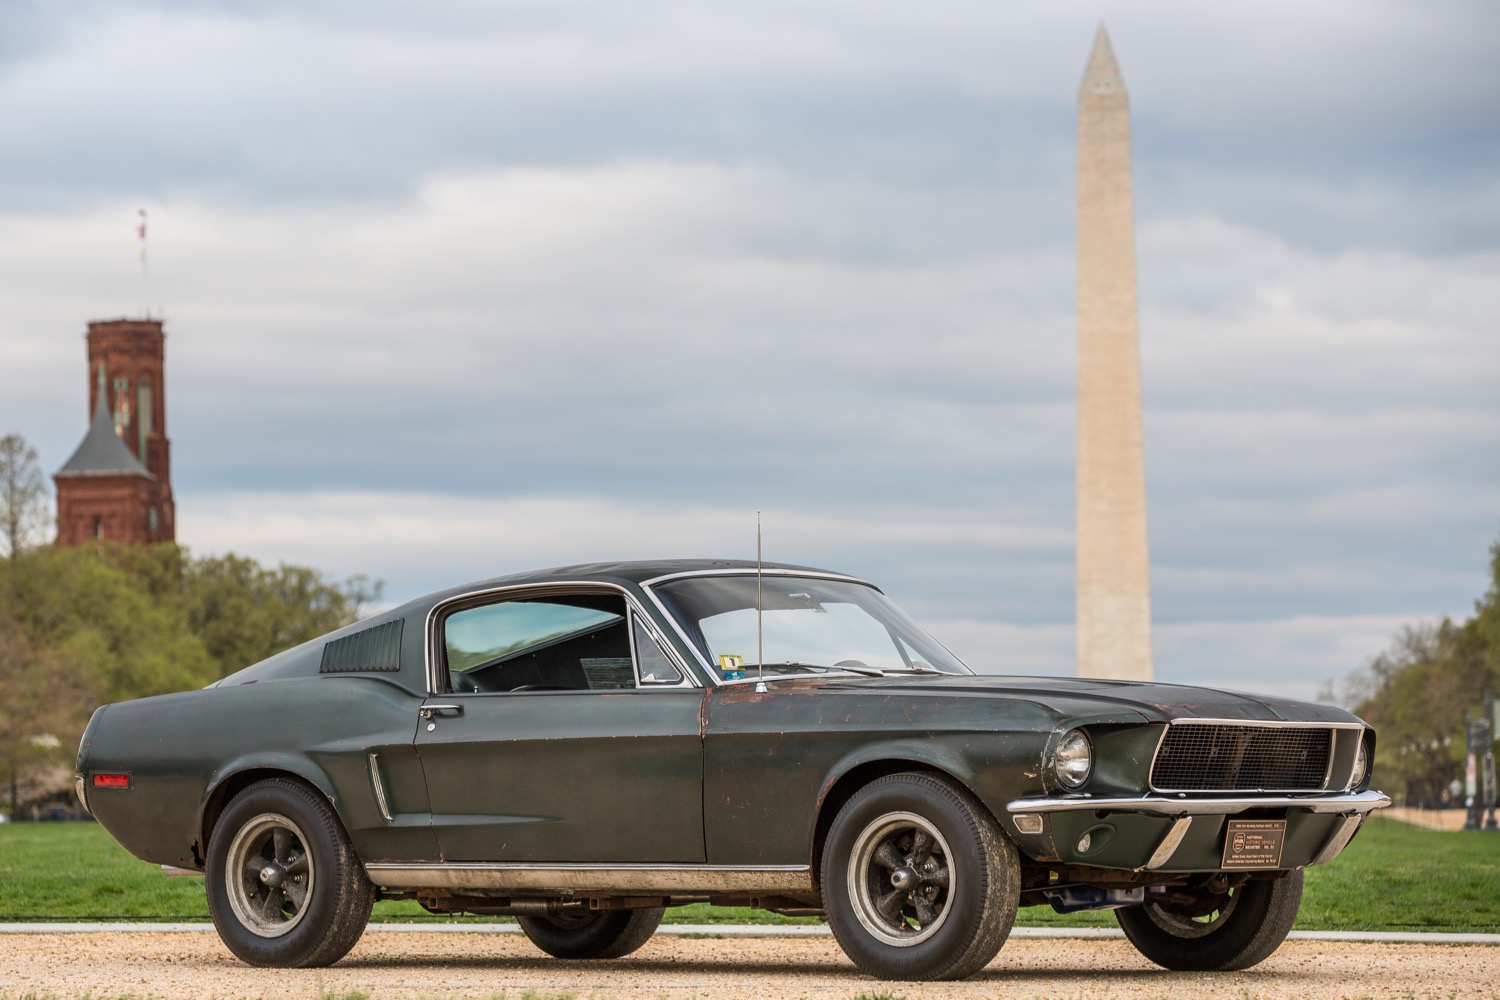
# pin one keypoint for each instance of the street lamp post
(1479, 774)
(1488, 749)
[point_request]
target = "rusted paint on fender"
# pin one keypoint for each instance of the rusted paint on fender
(771, 757)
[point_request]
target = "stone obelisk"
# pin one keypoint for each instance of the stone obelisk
(1114, 587)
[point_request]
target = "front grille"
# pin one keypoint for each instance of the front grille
(1227, 758)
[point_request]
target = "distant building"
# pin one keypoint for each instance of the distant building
(118, 485)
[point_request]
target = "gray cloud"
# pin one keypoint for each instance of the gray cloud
(441, 287)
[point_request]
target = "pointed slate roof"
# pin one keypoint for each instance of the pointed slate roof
(102, 453)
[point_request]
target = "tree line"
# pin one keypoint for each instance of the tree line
(80, 627)
(1416, 693)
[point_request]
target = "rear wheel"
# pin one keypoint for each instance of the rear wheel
(919, 883)
(1217, 927)
(284, 885)
(597, 934)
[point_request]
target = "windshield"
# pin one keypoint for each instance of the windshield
(807, 625)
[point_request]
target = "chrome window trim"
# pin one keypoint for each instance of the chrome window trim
(816, 574)
(434, 656)
(1249, 724)
(687, 642)
(603, 878)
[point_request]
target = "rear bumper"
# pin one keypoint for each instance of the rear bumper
(1154, 833)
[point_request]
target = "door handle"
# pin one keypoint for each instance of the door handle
(433, 711)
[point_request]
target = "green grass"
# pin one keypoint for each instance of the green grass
(1393, 877)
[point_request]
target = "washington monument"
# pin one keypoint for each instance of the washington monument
(1114, 586)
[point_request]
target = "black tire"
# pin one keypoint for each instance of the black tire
(310, 900)
(1219, 931)
(919, 882)
(597, 934)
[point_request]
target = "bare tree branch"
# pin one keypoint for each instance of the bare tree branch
(23, 495)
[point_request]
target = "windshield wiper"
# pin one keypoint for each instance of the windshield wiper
(915, 670)
(867, 671)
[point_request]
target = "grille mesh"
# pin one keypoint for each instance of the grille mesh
(1213, 758)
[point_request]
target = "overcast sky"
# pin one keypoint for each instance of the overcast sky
(461, 288)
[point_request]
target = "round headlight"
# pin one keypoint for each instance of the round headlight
(1361, 764)
(1074, 759)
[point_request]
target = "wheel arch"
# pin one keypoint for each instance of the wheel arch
(852, 775)
(241, 775)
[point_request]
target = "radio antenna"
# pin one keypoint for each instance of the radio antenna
(760, 640)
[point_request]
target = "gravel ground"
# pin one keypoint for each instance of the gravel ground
(388, 965)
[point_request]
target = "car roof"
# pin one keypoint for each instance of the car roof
(623, 573)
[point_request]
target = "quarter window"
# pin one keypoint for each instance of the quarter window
(655, 667)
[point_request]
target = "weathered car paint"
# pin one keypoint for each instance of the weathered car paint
(771, 757)
(537, 776)
(180, 748)
(305, 660)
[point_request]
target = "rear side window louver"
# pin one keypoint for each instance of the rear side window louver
(377, 648)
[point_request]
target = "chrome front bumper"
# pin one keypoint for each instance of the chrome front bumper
(1361, 803)
(1159, 837)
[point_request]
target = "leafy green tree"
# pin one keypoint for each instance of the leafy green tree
(101, 623)
(128, 640)
(1417, 691)
(38, 715)
(244, 612)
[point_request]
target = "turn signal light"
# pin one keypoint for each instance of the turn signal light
(104, 779)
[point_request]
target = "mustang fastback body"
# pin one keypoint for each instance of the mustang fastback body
(583, 747)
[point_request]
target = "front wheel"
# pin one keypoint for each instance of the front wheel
(601, 934)
(1216, 927)
(919, 882)
(284, 886)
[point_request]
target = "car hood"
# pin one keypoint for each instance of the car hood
(1086, 696)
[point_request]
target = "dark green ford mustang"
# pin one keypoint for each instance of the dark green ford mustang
(583, 747)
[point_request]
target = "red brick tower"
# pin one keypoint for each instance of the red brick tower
(118, 484)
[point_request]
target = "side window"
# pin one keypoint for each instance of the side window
(654, 665)
(563, 643)
(571, 642)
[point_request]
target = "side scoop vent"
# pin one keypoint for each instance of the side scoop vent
(377, 648)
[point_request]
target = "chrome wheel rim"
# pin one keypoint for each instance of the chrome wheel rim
(1184, 925)
(268, 875)
(900, 879)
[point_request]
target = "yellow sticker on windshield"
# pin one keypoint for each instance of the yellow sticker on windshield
(729, 661)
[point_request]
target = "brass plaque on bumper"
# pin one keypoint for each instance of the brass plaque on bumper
(1253, 843)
